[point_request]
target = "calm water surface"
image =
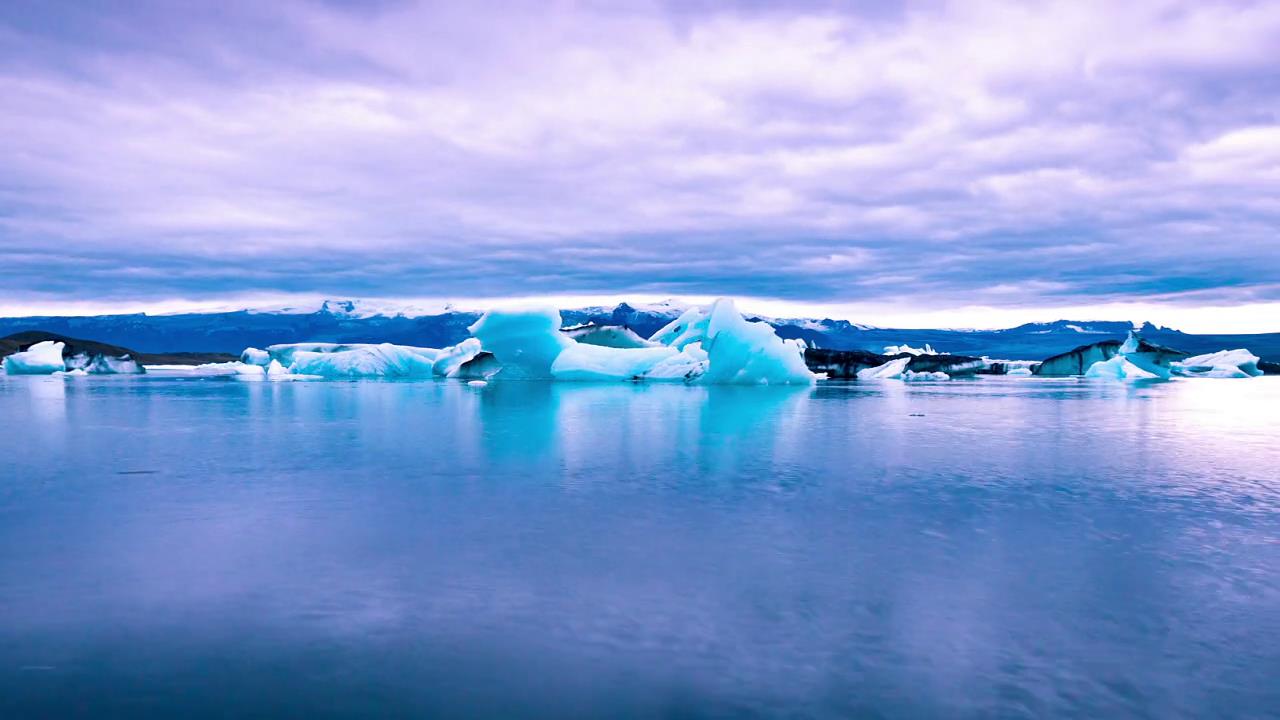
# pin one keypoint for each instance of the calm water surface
(990, 548)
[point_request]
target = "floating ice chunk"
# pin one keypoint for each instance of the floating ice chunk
(276, 371)
(525, 342)
(104, 364)
(685, 366)
(614, 336)
(1119, 368)
(891, 370)
(737, 351)
(74, 372)
(477, 383)
(450, 360)
(481, 367)
(385, 360)
(254, 356)
(1222, 364)
(918, 376)
(222, 369)
(285, 352)
(598, 362)
(42, 358)
(690, 327)
(1019, 372)
(905, 349)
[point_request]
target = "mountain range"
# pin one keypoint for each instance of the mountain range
(354, 321)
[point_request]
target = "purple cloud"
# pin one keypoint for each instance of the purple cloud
(961, 154)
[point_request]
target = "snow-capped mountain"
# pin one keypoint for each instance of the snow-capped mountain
(438, 326)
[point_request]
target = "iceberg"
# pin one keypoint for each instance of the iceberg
(614, 336)
(712, 345)
(481, 367)
(450, 361)
(104, 364)
(892, 370)
(737, 351)
(1222, 364)
(254, 356)
(910, 376)
(285, 352)
(741, 352)
(361, 361)
(905, 349)
(43, 358)
(1079, 360)
(599, 362)
(525, 342)
(1119, 367)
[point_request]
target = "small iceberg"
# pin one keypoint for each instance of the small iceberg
(1222, 364)
(42, 358)
(905, 349)
(367, 361)
(1137, 359)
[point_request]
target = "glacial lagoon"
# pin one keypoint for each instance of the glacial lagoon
(994, 547)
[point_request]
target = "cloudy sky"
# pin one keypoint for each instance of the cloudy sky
(959, 164)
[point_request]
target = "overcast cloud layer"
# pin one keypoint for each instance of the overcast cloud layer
(1028, 156)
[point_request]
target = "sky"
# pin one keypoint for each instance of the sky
(966, 164)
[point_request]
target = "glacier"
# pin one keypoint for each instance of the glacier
(43, 358)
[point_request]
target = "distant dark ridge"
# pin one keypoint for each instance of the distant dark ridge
(21, 341)
(228, 333)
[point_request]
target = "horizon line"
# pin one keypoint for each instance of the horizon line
(1247, 318)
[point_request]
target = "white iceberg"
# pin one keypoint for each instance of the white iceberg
(910, 376)
(905, 349)
(1222, 364)
(614, 336)
(254, 356)
(1136, 359)
(598, 362)
(896, 369)
(42, 358)
(362, 361)
(1119, 368)
(737, 351)
(525, 342)
(715, 345)
(892, 370)
(1019, 372)
(276, 372)
(449, 361)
